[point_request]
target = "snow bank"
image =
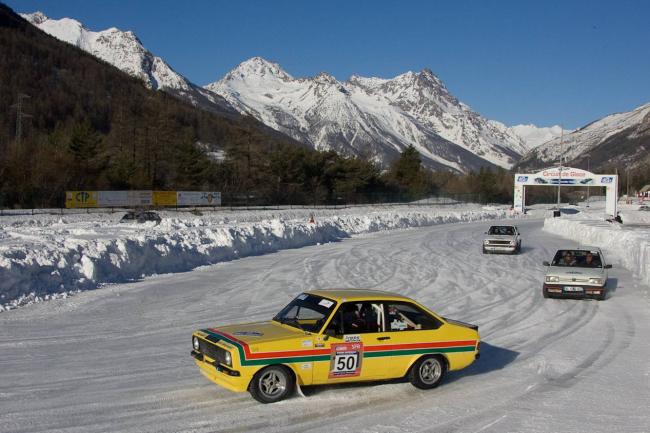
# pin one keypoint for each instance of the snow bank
(44, 256)
(630, 244)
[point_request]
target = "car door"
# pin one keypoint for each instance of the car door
(355, 328)
(412, 332)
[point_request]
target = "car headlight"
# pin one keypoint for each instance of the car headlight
(512, 242)
(228, 359)
(552, 279)
(195, 343)
(597, 281)
(486, 242)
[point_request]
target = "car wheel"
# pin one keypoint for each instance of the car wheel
(272, 384)
(545, 293)
(427, 372)
(484, 250)
(602, 296)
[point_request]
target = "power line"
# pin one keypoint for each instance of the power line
(20, 115)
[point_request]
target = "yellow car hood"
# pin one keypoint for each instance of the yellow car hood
(260, 332)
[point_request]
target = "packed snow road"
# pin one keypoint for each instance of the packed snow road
(117, 359)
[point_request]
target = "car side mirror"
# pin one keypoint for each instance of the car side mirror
(608, 266)
(545, 263)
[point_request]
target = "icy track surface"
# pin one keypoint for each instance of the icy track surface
(50, 255)
(117, 359)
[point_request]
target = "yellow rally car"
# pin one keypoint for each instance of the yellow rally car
(335, 336)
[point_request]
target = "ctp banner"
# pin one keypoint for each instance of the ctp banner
(80, 199)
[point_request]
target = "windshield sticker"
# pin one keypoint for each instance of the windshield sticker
(248, 334)
(346, 360)
(352, 338)
(302, 297)
(326, 303)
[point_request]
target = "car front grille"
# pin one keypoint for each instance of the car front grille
(500, 243)
(215, 352)
(574, 280)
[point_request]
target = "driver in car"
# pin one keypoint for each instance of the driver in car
(568, 259)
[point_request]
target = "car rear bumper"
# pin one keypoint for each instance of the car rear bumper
(500, 248)
(566, 291)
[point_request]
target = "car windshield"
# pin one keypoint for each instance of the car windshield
(306, 312)
(577, 259)
(502, 230)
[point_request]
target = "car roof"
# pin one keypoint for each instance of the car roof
(580, 248)
(341, 295)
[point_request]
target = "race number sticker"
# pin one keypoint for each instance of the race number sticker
(346, 360)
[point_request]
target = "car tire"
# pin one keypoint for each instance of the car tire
(272, 384)
(545, 294)
(602, 296)
(428, 372)
(484, 251)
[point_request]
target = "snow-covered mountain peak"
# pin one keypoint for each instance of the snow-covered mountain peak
(124, 50)
(36, 17)
(535, 136)
(258, 68)
(371, 117)
(325, 78)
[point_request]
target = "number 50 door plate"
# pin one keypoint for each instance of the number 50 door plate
(345, 360)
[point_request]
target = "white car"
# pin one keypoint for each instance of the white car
(502, 239)
(577, 273)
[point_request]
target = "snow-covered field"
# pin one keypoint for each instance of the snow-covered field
(44, 256)
(117, 359)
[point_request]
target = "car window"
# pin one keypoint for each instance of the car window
(501, 230)
(578, 259)
(306, 312)
(357, 318)
(402, 316)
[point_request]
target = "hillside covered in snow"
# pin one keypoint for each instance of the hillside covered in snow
(372, 118)
(620, 138)
(124, 50)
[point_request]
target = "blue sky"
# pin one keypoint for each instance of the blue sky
(544, 62)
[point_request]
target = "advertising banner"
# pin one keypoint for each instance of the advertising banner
(80, 199)
(124, 198)
(198, 198)
(113, 198)
(140, 198)
(88, 199)
(164, 198)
